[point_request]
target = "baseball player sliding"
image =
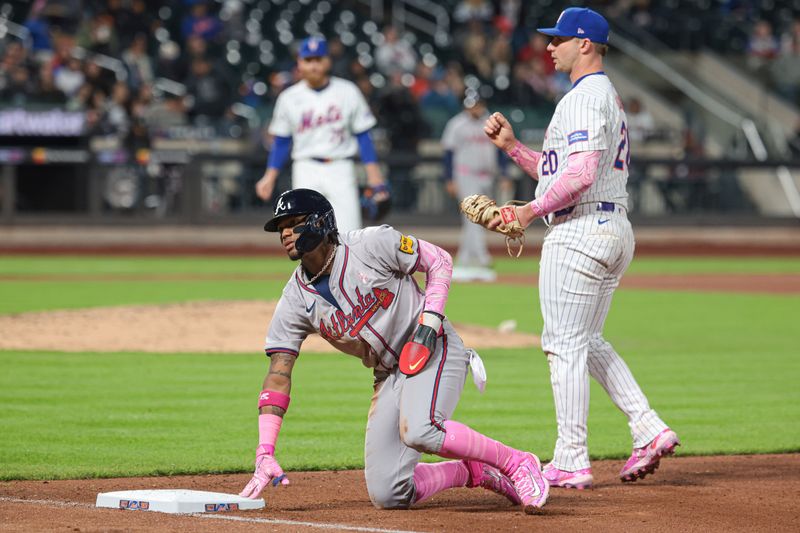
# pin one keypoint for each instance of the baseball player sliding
(582, 172)
(324, 121)
(357, 291)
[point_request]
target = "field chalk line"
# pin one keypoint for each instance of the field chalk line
(276, 521)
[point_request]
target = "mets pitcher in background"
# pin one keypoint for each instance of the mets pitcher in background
(582, 172)
(358, 292)
(324, 121)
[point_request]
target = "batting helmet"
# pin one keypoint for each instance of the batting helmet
(319, 223)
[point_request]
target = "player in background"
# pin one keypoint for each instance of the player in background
(471, 164)
(582, 172)
(323, 120)
(358, 292)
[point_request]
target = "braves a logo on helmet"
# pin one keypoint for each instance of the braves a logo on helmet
(280, 206)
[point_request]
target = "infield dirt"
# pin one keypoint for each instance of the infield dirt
(732, 493)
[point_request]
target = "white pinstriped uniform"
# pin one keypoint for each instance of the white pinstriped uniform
(584, 255)
(322, 124)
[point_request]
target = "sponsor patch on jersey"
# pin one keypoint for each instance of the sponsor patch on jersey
(578, 136)
(406, 245)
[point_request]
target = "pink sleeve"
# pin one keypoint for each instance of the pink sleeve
(438, 267)
(526, 159)
(579, 175)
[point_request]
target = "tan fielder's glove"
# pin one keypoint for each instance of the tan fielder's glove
(481, 210)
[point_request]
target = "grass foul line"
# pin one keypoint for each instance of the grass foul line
(277, 521)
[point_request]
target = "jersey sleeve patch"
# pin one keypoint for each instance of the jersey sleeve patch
(578, 136)
(406, 245)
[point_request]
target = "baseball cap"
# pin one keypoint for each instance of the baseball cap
(580, 22)
(313, 47)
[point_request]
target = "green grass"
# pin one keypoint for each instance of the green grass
(722, 369)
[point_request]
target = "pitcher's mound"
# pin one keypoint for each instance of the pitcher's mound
(207, 326)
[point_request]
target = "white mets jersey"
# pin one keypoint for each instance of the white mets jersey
(322, 122)
(474, 154)
(376, 303)
(590, 117)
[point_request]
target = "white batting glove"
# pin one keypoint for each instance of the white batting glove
(268, 472)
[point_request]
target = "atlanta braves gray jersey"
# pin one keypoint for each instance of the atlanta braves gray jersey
(378, 300)
(589, 117)
(322, 122)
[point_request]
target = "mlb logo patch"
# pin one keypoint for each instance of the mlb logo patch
(578, 136)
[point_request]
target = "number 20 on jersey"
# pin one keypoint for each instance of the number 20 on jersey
(550, 157)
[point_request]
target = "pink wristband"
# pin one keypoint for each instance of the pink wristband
(268, 428)
(273, 397)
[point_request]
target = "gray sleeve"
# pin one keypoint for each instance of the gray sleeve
(289, 326)
(449, 140)
(392, 250)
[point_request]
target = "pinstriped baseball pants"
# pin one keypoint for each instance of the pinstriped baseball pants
(583, 258)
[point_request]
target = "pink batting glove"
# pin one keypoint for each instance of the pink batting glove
(268, 472)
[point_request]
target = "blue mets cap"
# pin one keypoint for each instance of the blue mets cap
(580, 22)
(313, 47)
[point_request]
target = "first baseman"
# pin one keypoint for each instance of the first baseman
(358, 292)
(324, 121)
(582, 172)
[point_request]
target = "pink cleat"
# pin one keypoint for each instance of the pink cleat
(580, 479)
(645, 460)
(490, 478)
(529, 483)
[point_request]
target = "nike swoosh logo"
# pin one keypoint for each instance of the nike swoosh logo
(603, 221)
(309, 309)
(415, 365)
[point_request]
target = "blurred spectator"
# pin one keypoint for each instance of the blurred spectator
(69, 78)
(474, 47)
(163, 113)
(440, 96)
(169, 64)
(117, 109)
(785, 72)
(209, 91)
(790, 40)
(98, 34)
(140, 68)
(196, 48)
(340, 59)
(536, 47)
(399, 115)
(763, 45)
(370, 94)
(469, 10)
(422, 81)
(641, 125)
(200, 22)
(138, 23)
(500, 56)
(98, 77)
(46, 91)
(19, 87)
(394, 54)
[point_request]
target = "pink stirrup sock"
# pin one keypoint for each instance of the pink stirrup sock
(430, 479)
(462, 442)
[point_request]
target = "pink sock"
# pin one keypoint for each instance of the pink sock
(432, 478)
(462, 442)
